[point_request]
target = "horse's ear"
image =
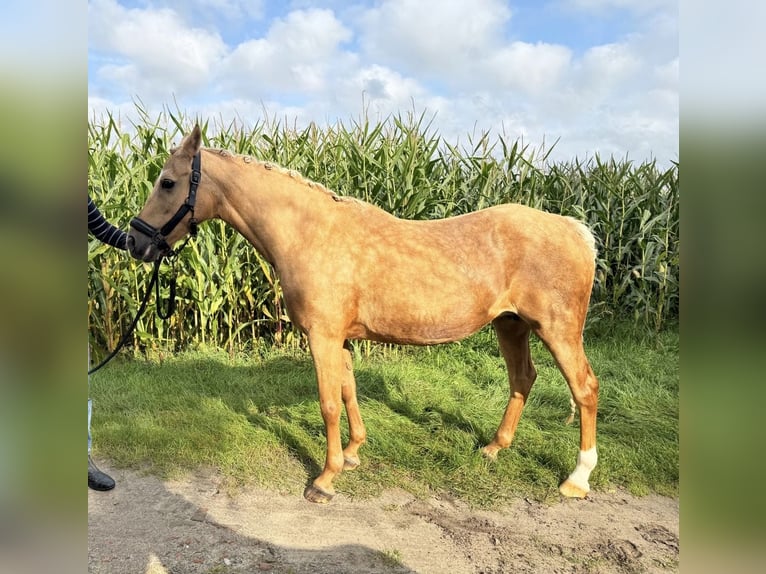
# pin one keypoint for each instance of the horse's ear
(191, 143)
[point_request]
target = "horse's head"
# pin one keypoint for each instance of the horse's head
(169, 213)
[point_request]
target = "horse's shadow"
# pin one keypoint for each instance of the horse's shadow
(375, 387)
(265, 390)
(141, 526)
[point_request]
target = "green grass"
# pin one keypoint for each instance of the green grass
(255, 418)
(391, 557)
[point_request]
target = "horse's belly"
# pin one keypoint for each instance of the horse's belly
(431, 336)
(423, 323)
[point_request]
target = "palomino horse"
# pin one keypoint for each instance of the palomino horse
(350, 270)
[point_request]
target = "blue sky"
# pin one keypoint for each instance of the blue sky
(599, 76)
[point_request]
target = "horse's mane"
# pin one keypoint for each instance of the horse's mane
(271, 166)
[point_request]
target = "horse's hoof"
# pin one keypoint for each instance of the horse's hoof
(489, 453)
(316, 494)
(350, 463)
(572, 490)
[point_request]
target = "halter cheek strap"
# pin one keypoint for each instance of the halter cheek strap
(159, 236)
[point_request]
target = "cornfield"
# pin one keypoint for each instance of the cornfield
(229, 297)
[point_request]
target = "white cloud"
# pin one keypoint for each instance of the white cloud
(608, 70)
(614, 60)
(295, 56)
(151, 51)
(667, 74)
(382, 91)
(530, 68)
(432, 37)
(311, 35)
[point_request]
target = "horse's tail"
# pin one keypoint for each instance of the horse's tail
(590, 242)
(586, 234)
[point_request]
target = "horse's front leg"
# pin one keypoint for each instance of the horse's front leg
(356, 431)
(329, 365)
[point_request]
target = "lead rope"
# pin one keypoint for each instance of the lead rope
(171, 302)
(164, 315)
(132, 325)
(154, 282)
(172, 256)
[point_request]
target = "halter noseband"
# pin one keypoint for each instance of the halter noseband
(158, 237)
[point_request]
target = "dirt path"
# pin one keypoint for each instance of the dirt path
(146, 526)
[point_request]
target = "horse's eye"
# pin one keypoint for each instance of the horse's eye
(167, 183)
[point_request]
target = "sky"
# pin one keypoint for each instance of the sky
(590, 76)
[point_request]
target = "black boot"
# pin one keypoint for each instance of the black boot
(98, 480)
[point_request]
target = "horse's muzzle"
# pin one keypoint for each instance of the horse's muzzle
(142, 247)
(146, 242)
(143, 250)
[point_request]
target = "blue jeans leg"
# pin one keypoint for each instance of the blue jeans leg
(90, 409)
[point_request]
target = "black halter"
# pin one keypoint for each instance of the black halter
(159, 236)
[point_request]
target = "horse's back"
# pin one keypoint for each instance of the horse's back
(441, 280)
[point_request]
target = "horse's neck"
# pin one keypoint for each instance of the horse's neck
(272, 210)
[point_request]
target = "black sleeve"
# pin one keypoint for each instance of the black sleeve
(103, 230)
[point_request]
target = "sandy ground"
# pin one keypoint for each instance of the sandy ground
(147, 526)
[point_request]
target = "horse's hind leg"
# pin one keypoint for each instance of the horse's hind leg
(567, 350)
(356, 431)
(513, 337)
